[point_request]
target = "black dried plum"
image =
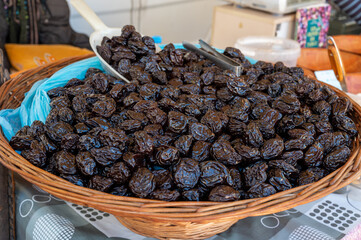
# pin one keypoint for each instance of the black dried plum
(254, 173)
(223, 193)
(214, 173)
(336, 158)
(167, 156)
(223, 152)
(85, 163)
(163, 179)
(119, 172)
(184, 143)
(106, 155)
(186, 173)
(313, 156)
(201, 151)
(100, 183)
(65, 162)
(36, 154)
(113, 137)
(278, 180)
(165, 195)
(272, 148)
(144, 142)
(201, 132)
(142, 183)
(261, 190)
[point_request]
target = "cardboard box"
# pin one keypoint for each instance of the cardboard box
(231, 22)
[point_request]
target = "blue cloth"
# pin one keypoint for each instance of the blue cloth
(36, 104)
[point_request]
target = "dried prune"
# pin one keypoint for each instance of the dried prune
(105, 108)
(113, 137)
(119, 172)
(100, 183)
(167, 156)
(36, 154)
(261, 190)
(254, 173)
(201, 132)
(106, 155)
(191, 195)
(144, 142)
(87, 142)
(253, 135)
(69, 141)
(313, 156)
(21, 142)
(278, 180)
(134, 160)
(310, 175)
(214, 173)
(57, 130)
(142, 183)
(336, 158)
(238, 86)
(223, 193)
(287, 104)
(236, 178)
(184, 143)
(345, 124)
(272, 148)
(163, 179)
(65, 162)
(186, 173)
(201, 151)
(165, 195)
(177, 122)
(85, 163)
(223, 152)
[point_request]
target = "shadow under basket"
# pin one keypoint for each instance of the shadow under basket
(159, 219)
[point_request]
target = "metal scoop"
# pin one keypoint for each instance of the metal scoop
(101, 30)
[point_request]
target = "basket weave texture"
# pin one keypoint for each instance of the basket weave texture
(154, 218)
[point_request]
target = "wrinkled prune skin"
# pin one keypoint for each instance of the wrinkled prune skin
(183, 144)
(163, 179)
(65, 163)
(336, 158)
(186, 129)
(142, 183)
(272, 148)
(287, 104)
(214, 173)
(223, 193)
(21, 142)
(106, 155)
(261, 190)
(223, 152)
(57, 130)
(201, 132)
(114, 138)
(100, 183)
(254, 174)
(278, 180)
(310, 175)
(144, 142)
(313, 156)
(186, 173)
(36, 154)
(177, 121)
(191, 195)
(85, 163)
(201, 151)
(119, 172)
(167, 156)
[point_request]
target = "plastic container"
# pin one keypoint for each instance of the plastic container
(270, 49)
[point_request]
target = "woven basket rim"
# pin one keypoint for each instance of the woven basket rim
(170, 211)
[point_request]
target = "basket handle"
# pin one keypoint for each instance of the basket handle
(88, 14)
(336, 62)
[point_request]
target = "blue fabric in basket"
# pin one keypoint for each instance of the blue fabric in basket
(36, 104)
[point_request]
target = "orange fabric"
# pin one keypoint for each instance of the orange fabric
(27, 56)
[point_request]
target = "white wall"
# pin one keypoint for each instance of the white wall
(174, 20)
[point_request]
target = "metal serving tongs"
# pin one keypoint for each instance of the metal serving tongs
(336, 62)
(218, 58)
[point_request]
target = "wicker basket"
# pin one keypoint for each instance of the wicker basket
(153, 218)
